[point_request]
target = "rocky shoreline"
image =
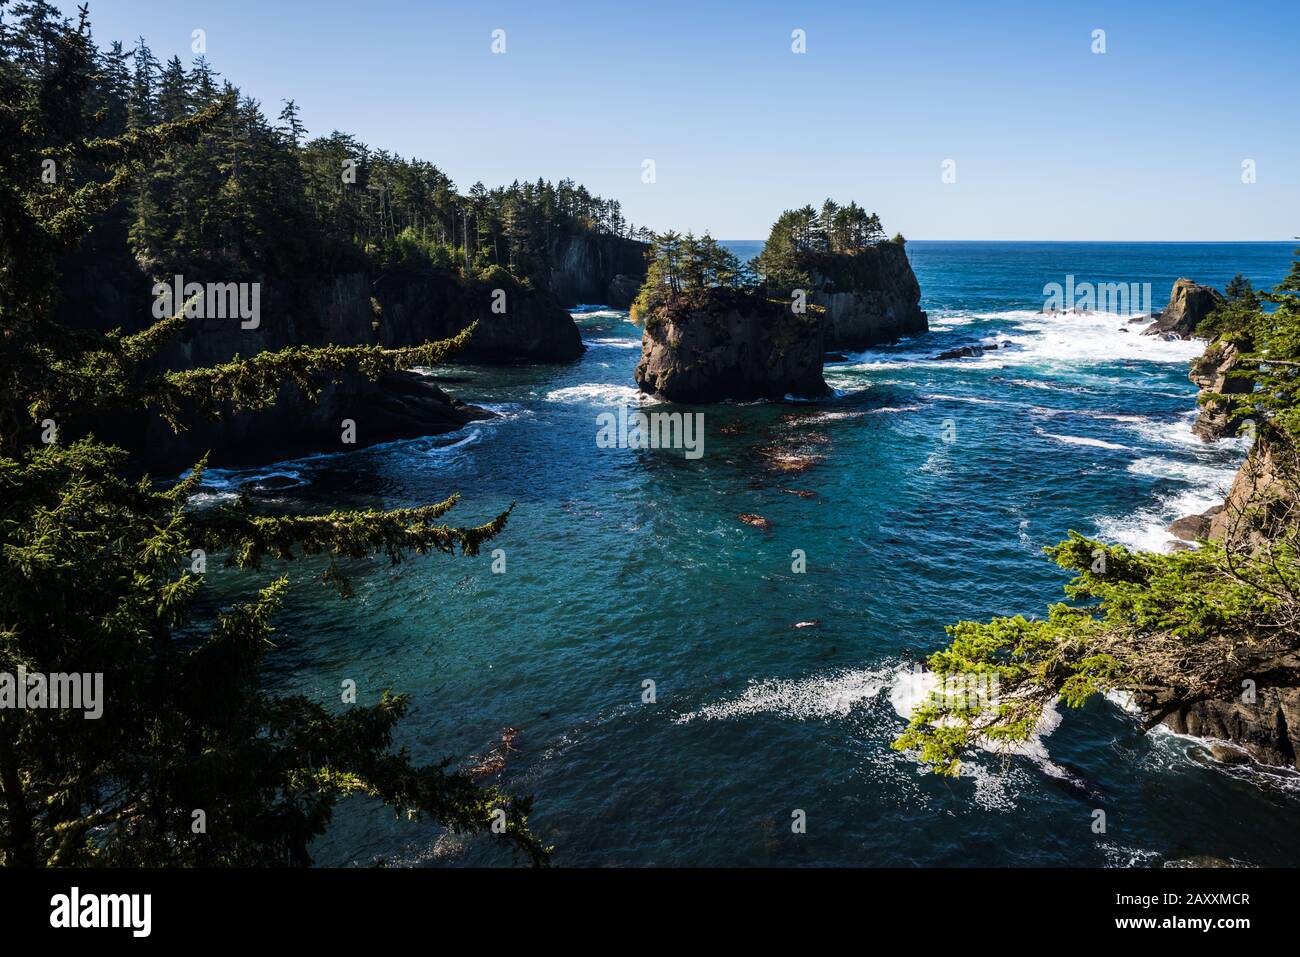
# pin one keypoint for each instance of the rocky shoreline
(517, 323)
(1264, 722)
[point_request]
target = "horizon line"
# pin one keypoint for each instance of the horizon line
(1153, 242)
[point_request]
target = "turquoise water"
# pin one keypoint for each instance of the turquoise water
(929, 491)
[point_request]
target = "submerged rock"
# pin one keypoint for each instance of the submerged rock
(758, 521)
(1189, 304)
(962, 352)
(730, 344)
(1225, 754)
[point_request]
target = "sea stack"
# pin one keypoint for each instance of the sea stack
(719, 343)
(1189, 304)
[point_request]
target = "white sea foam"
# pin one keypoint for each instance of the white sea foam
(1081, 440)
(973, 400)
(615, 343)
(1178, 433)
(1067, 340)
(804, 699)
(603, 393)
(1147, 529)
(505, 412)
(1204, 475)
(995, 788)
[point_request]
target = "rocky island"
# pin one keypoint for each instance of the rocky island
(707, 345)
(715, 328)
(839, 257)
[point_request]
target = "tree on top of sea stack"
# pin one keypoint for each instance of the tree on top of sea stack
(97, 571)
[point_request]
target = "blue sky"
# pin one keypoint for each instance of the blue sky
(1050, 141)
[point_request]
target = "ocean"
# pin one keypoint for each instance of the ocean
(929, 492)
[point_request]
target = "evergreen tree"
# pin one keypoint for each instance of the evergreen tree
(186, 725)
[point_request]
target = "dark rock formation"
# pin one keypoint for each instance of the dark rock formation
(1267, 728)
(970, 351)
(623, 290)
(730, 344)
(314, 310)
(593, 269)
(870, 297)
(1189, 303)
(533, 327)
(1213, 372)
(401, 405)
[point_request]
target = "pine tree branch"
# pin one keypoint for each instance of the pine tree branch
(254, 384)
(345, 534)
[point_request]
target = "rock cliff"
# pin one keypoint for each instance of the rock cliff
(532, 328)
(1189, 303)
(352, 308)
(730, 344)
(605, 270)
(401, 405)
(1214, 373)
(870, 296)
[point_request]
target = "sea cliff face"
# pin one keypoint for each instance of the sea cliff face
(604, 270)
(1214, 372)
(730, 344)
(870, 297)
(531, 326)
(393, 309)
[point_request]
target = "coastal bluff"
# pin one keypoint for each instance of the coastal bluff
(715, 344)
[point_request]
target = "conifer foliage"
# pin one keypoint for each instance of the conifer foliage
(96, 570)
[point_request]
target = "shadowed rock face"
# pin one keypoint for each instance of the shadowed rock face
(1189, 303)
(870, 297)
(1268, 727)
(533, 328)
(604, 270)
(728, 344)
(401, 405)
(343, 309)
